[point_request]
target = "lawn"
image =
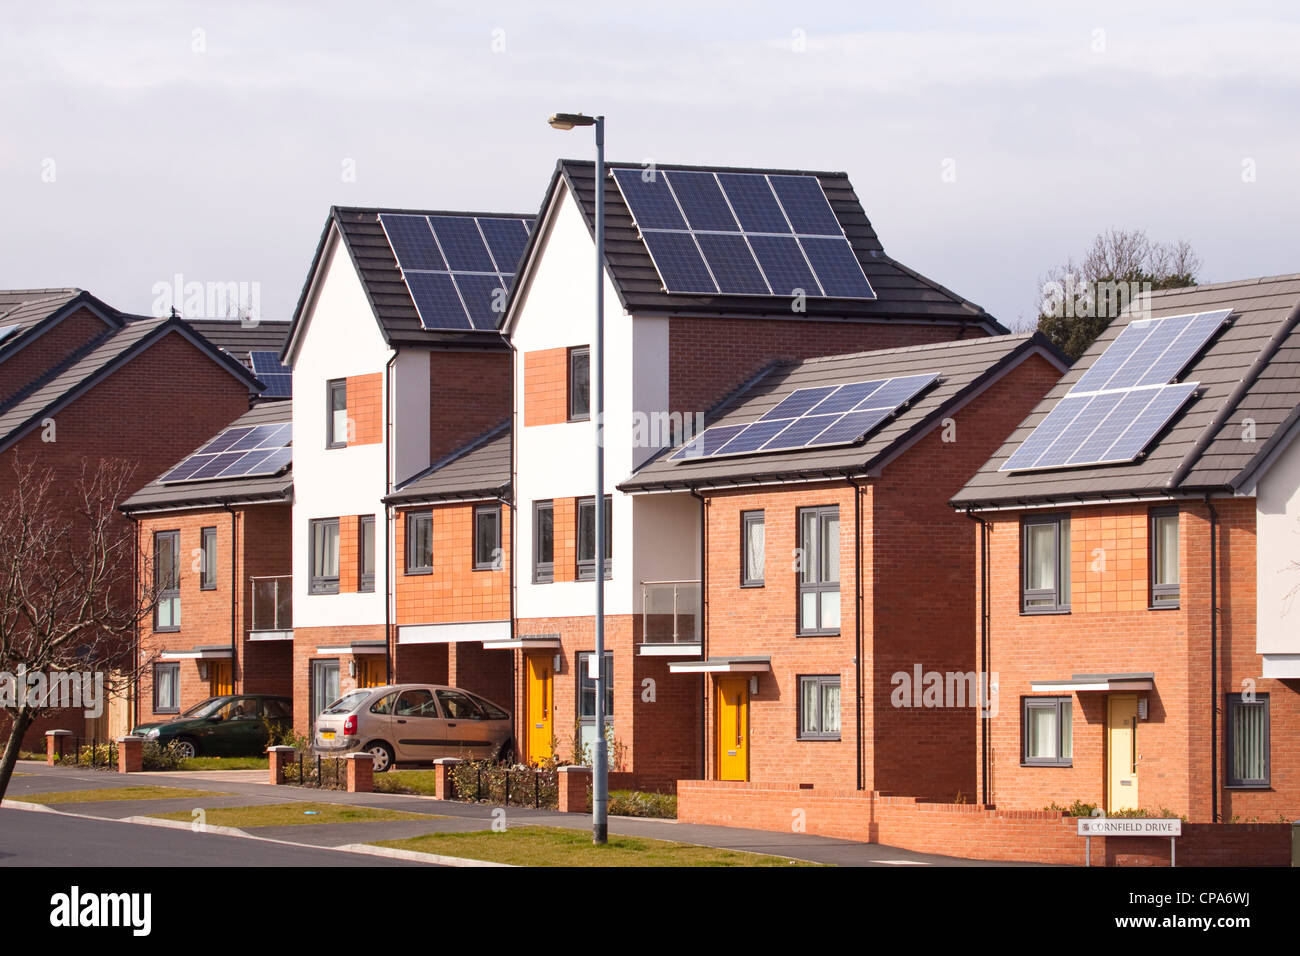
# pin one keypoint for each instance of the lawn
(292, 814)
(224, 763)
(553, 846)
(112, 794)
(407, 781)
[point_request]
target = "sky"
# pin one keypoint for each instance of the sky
(148, 141)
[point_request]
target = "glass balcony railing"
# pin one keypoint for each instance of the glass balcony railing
(272, 602)
(670, 612)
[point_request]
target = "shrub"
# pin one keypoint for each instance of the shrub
(635, 803)
(96, 755)
(518, 785)
(157, 757)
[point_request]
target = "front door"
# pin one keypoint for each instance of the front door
(733, 728)
(370, 670)
(219, 682)
(1121, 753)
(540, 707)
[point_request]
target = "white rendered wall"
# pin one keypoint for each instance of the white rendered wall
(1277, 529)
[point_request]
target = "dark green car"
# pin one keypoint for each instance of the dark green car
(230, 726)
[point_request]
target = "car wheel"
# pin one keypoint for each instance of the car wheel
(383, 755)
(187, 748)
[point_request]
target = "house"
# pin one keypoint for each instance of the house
(711, 275)
(1137, 546)
(836, 578)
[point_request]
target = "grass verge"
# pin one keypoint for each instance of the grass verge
(407, 781)
(113, 794)
(293, 814)
(224, 763)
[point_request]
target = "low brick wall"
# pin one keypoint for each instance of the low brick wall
(969, 830)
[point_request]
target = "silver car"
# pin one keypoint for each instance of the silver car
(414, 723)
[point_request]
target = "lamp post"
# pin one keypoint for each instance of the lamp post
(600, 754)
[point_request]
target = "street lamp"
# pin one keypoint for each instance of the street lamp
(600, 755)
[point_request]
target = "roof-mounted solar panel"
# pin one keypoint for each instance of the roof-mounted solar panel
(7, 330)
(276, 377)
(243, 451)
(742, 234)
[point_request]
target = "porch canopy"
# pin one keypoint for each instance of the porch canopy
(207, 652)
(485, 631)
(356, 648)
(1096, 682)
(722, 665)
(543, 642)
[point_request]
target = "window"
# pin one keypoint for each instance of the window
(819, 574)
(167, 580)
(419, 542)
(336, 413)
(324, 556)
(819, 708)
(208, 542)
(324, 685)
(587, 538)
(579, 384)
(487, 538)
(167, 688)
(751, 549)
(1248, 740)
(1162, 530)
(1046, 731)
(543, 542)
(587, 735)
(366, 548)
(1045, 546)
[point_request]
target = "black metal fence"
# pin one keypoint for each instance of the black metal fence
(87, 752)
(325, 773)
(501, 785)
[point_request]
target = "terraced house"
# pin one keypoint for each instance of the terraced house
(1138, 556)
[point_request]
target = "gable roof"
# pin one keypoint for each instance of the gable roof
(479, 469)
(363, 237)
(1250, 369)
(902, 294)
(233, 336)
(92, 365)
(30, 311)
(964, 367)
(156, 496)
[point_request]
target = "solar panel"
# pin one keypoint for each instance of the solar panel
(277, 378)
(242, 451)
(742, 234)
(457, 268)
(7, 331)
(1126, 398)
(812, 417)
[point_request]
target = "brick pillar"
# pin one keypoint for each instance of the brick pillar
(361, 772)
(130, 754)
(279, 757)
(443, 786)
(54, 740)
(574, 781)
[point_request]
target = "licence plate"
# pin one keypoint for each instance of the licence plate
(327, 735)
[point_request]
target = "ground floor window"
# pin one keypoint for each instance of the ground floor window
(819, 708)
(324, 685)
(1248, 764)
(167, 688)
(587, 735)
(1047, 731)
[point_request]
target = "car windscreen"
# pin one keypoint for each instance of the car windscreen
(347, 703)
(207, 708)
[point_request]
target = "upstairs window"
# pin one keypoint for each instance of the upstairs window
(587, 538)
(366, 550)
(1162, 531)
(487, 538)
(419, 542)
(336, 415)
(1045, 573)
(579, 384)
(208, 559)
(167, 580)
(543, 542)
(324, 556)
(819, 572)
(752, 551)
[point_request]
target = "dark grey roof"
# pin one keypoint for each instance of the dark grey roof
(90, 366)
(902, 293)
(239, 339)
(29, 309)
(479, 469)
(156, 496)
(373, 258)
(1180, 461)
(963, 366)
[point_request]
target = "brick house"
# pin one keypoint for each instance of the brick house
(836, 575)
(1138, 568)
(670, 357)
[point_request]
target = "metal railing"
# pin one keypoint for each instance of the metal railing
(272, 602)
(670, 612)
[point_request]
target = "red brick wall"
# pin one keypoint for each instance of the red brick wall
(469, 393)
(307, 642)
(422, 664)
(33, 360)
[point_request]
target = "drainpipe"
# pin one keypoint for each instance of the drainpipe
(704, 633)
(135, 638)
(859, 605)
(234, 623)
(984, 651)
(1214, 661)
(389, 564)
(516, 654)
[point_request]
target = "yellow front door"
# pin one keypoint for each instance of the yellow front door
(370, 670)
(733, 728)
(540, 707)
(219, 682)
(1121, 753)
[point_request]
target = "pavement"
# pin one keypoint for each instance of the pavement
(81, 832)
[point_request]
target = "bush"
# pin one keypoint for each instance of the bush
(157, 757)
(518, 785)
(97, 756)
(635, 803)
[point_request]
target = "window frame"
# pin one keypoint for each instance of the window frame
(573, 415)
(1058, 704)
(323, 583)
(331, 387)
(1155, 590)
(1062, 593)
(748, 518)
(819, 586)
(411, 567)
(1235, 702)
(365, 580)
(172, 593)
(208, 558)
(175, 668)
(543, 571)
(480, 511)
(820, 680)
(585, 568)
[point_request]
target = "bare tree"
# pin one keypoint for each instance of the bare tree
(69, 600)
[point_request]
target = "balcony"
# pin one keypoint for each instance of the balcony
(272, 597)
(670, 618)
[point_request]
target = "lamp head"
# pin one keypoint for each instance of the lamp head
(570, 120)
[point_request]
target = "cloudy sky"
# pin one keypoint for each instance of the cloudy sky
(142, 141)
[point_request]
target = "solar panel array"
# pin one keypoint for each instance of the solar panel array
(276, 377)
(241, 451)
(1124, 399)
(810, 418)
(458, 269)
(7, 331)
(742, 234)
